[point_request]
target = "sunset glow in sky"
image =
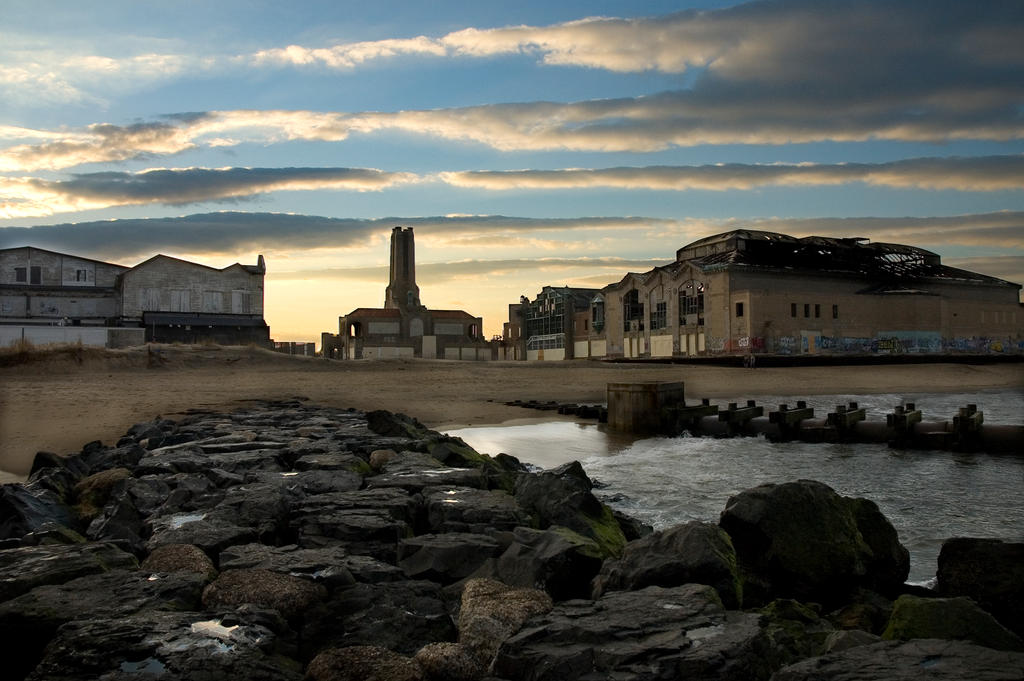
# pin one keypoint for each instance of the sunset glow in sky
(528, 143)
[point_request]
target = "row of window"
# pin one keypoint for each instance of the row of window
(793, 308)
(34, 275)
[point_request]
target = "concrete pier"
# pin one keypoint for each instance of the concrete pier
(660, 408)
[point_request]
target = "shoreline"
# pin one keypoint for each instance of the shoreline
(61, 404)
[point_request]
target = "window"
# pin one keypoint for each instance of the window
(81, 275)
(792, 309)
(632, 311)
(660, 318)
(817, 310)
(597, 315)
(691, 301)
(35, 275)
(586, 325)
(20, 275)
(807, 309)
(835, 312)
(739, 309)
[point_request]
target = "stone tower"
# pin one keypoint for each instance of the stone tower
(402, 292)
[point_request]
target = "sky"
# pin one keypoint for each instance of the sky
(527, 144)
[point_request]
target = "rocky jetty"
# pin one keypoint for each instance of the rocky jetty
(290, 541)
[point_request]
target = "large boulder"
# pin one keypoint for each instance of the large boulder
(802, 540)
(170, 646)
(445, 558)
(179, 558)
(24, 510)
(30, 621)
(290, 596)
(557, 560)
(957, 618)
(467, 509)
(694, 552)
(491, 612)
(23, 569)
(363, 663)
(562, 496)
(917, 660)
(654, 633)
(989, 571)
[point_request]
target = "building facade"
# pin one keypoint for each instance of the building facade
(405, 327)
(750, 291)
(166, 298)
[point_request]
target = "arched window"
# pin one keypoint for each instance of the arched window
(632, 311)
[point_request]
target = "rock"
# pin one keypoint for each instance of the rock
(380, 457)
(333, 461)
(362, 663)
(24, 569)
(401, 616)
(632, 528)
(889, 563)
(448, 662)
(802, 540)
(557, 560)
(841, 640)
(445, 558)
(562, 496)
(56, 473)
(492, 611)
(395, 425)
(368, 522)
(179, 558)
(309, 482)
(794, 629)
(290, 596)
(694, 552)
(170, 646)
(327, 566)
(454, 452)
(414, 471)
(104, 458)
(23, 510)
(989, 571)
(466, 509)
(192, 458)
(653, 633)
(92, 492)
(209, 532)
(866, 610)
(30, 621)
(43, 460)
(917, 660)
(957, 618)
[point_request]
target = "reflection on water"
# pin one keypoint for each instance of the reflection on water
(929, 496)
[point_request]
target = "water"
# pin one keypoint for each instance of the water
(928, 496)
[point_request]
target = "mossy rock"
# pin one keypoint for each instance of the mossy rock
(958, 619)
(454, 452)
(92, 492)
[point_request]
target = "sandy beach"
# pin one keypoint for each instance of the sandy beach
(58, 403)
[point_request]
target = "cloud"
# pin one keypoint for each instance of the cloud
(233, 232)
(349, 55)
(1008, 267)
(990, 173)
(435, 273)
(21, 197)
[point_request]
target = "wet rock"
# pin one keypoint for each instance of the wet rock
(290, 596)
(557, 560)
(694, 552)
(454, 452)
(917, 660)
(368, 522)
(795, 630)
(957, 618)
(309, 482)
(491, 612)
(448, 662)
(327, 566)
(843, 639)
(445, 558)
(104, 458)
(414, 471)
(164, 645)
(802, 540)
(401, 616)
(866, 610)
(192, 458)
(395, 425)
(989, 571)
(632, 528)
(23, 569)
(363, 663)
(179, 558)
(23, 510)
(335, 461)
(92, 492)
(43, 460)
(210, 533)
(653, 633)
(30, 621)
(562, 496)
(467, 509)
(380, 457)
